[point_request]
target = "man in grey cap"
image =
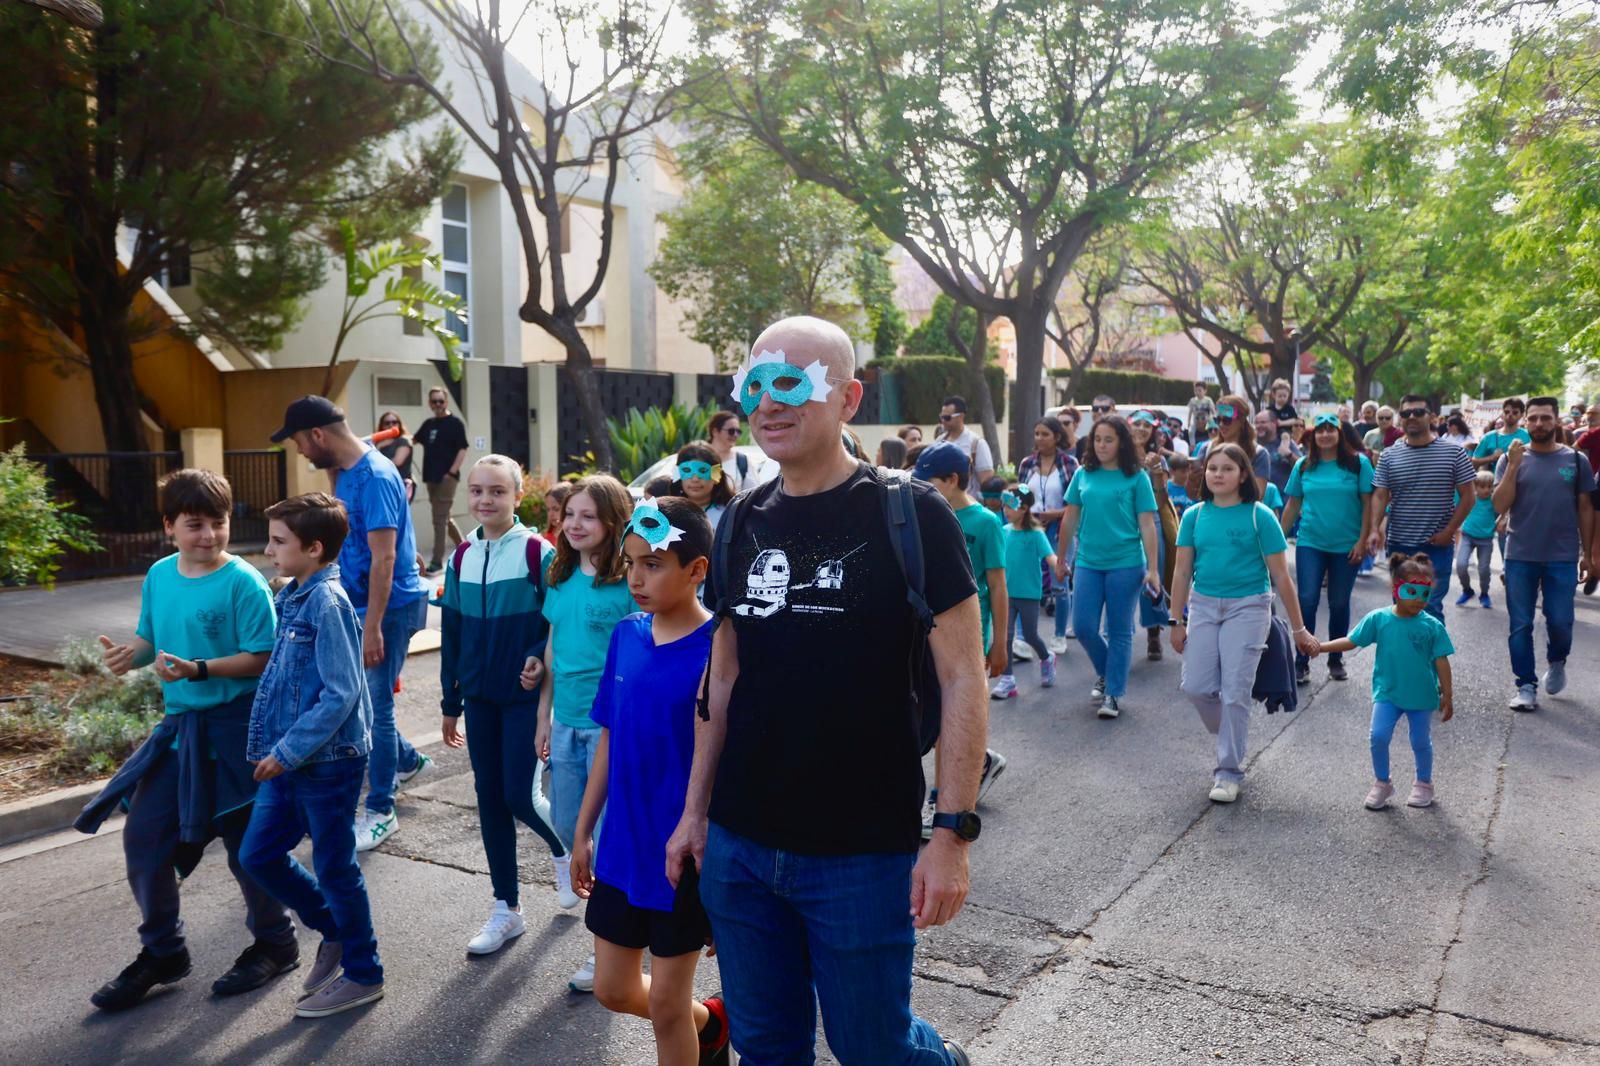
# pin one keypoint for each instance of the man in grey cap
(378, 567)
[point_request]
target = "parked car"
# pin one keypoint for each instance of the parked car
(760, 469)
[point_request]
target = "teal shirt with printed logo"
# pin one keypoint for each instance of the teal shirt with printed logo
(1402, 670)
(582, 615)
(1331, 503)
(1110, 503)
(222, 613)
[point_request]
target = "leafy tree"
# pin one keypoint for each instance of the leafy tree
(932, 335)
(749, 244)
(573, 141)
(875, 286)
(173, 132)
(34, 528)
(993, 139)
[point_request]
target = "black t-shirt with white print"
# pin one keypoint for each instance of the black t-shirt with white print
(822, 754)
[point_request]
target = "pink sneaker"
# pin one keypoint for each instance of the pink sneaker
(1378, 798)
(1421, 794)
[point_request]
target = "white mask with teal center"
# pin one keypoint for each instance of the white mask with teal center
(773, 374)
(650, 523)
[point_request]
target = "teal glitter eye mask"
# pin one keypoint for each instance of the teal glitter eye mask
(690, 469)
(772, 373)
(1413, 590)
(1011, 500)
(648, 522)
(1326, 420)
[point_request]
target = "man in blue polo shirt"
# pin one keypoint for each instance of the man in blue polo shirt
(378, 567)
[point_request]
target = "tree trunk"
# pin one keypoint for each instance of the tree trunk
(579, 368)
(1364, 376)
(976, 355)
(1025, 406)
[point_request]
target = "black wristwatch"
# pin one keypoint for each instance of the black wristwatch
(964, 824)
(203, 671)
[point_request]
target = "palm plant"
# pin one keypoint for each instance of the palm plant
(645, 436)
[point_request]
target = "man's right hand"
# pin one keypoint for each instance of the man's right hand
(1515, 452)
(371, 646)
(687, 841)
(117, 657)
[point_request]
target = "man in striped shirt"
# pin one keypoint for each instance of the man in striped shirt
(1421, 495)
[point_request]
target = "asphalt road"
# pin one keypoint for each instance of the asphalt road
(1116, 915)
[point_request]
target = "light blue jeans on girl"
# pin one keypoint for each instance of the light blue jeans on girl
(1385, 716)
(1115, 595)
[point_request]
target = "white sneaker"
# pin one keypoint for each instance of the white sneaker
(1098, 692)
(566, 899)
(1224, 791)
(1005, 687)
(373, 829)
(1057, 645)
(1021, 650)
(583, 979)
(1109, 708)
(994, 764)
(1526, 699)
(502, 924)
(1555, 678)
(405, 777)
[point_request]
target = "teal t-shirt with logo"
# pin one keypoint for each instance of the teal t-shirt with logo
(1110, 503)
(1331, 503)
(1026, 549)
(1481, 519)
(582, 615)
(1231, 545)
(1402, 670)
(222, 613)
(985, 535)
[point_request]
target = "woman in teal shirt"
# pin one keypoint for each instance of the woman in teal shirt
(1111, 509)
(1231, 550)
(1328, 493)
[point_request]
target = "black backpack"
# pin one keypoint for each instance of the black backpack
(905, 538)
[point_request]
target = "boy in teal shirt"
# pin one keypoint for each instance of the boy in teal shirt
(1477, 535)
(206, 623)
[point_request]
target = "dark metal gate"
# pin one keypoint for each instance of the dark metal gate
(116, 492)
(508, 412)
(620, 391)
(260, 478)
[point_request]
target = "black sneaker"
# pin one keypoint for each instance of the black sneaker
(140, 976)
(1337, 671)
(255, 966)
(957, 1053)
(1302, 673)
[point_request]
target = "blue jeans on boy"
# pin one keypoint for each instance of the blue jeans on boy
(1385, 716)
(571, 758)
(1113, 592)
(391, 752)
(1311, 565)
(1525, 584)
(319, 799)
(793, 931)
(1443, 557)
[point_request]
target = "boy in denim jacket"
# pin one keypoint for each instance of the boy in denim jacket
(310, 734)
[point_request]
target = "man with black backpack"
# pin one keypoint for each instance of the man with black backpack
(834, 586)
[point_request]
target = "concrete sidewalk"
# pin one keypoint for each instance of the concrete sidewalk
(36, 622)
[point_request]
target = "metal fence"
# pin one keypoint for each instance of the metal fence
(116, 492)
(259, 479)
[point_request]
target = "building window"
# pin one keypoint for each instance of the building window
(398, 392)
(412, 326)
(456, 253)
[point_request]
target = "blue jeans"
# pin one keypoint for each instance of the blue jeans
(319, 799)
(1443, 557)
(793, 930)
(1385, 716)
(1062, 590)
(1525, 582)
(391, 752)
(1114, 593)
(571, 758)
(1310, 566)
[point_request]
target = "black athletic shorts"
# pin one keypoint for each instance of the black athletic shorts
(612, 917)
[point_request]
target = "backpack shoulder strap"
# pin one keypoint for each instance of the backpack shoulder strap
(905, 540)
(742, 461)
(535, 554)
(458, 555)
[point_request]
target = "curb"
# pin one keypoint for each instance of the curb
(45, 813)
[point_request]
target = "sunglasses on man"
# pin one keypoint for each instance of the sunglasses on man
(947, 418)
(1414, 412)
(1100, 409)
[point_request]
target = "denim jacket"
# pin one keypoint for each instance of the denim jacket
(312, 703)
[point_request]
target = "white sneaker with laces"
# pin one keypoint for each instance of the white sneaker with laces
(1099, 690)
(1021, 650)
(1057, 645)
(994, 764)
(1224, 791)
(373, 829)
(1109, 708)
(566, 899)
(1555, 678)
(1526, 699)
(1005, 687)
(502, 924)
(424, 764)
(583, 979)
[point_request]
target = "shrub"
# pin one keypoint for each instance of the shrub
(535, 483)
(914, 387)
(34, 528)
(645, 436)
(80, 655)
(1132, 386)
(92, 726)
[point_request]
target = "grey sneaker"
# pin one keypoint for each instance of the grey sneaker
(342, 994)
(1526, 699)
(1555, 678)
(994, 764)
(330, 955)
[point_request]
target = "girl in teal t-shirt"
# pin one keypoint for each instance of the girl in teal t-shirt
(1027, 552)
(1410, 675)
(1230, 554)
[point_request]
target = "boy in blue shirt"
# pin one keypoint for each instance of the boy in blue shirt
(310, 735)
(205, 622)
(646, 712)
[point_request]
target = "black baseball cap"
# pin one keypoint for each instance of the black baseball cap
(308, 412)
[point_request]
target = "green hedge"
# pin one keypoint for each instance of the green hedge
(913, 387)
(1132, 386)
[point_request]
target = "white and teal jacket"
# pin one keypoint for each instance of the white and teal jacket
(493, 618)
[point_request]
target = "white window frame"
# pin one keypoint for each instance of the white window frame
(456, 266)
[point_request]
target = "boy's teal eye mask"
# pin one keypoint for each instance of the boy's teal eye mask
(1413, 590)
(648, 522)
(1326, 420)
